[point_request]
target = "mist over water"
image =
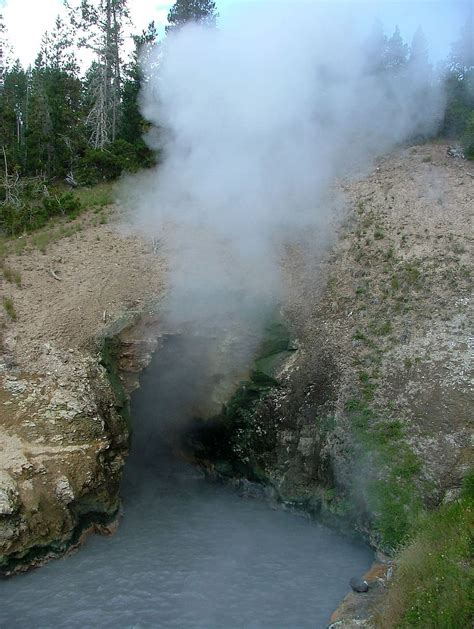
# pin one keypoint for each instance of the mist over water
(257, 120)
(189, 553)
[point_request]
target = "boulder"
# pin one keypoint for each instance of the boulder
(359, 585)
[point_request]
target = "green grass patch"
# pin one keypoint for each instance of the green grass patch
(434, 578)
(396, 507)
(389, 254)
(384, 329)
(9, 308)
(3, 247)
(96, 197)
(411, 275)
(11, 275)
(458, 249)
(368, 391)
(360, 207)
(326, 425)
(390, 493)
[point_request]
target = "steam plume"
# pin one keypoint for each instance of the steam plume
(258, 119)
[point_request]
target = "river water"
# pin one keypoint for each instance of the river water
(189, 553)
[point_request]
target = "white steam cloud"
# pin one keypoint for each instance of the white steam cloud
(257, 119)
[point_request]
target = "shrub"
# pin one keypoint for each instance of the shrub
(9, 308)
(468, 137)
(65, 204)
(107, 164)
(30, 212)
(12, 276)
(98, 165)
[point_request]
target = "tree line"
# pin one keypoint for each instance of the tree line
(57, 123)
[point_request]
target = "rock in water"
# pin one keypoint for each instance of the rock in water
(359, 585)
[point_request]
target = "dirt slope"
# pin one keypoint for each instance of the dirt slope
(102, 274)
(404, 281)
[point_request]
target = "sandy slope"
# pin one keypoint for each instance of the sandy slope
(103, 274)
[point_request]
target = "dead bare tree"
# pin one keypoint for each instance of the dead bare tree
(10, 184)
(13, 186)
(98, 119)
(101, 23)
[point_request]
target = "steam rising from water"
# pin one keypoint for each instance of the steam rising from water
(257, 120)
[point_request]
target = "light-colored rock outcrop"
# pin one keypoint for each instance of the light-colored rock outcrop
(63, 431)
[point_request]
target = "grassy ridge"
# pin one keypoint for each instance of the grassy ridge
(35, 206)
(434, 582)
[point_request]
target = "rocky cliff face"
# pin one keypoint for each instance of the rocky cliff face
(63, 430)
(63, 448)
(369, 418)
(65, 437)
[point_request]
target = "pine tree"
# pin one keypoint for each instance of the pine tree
(461, 59)
(133, 124)
(13, 115)
(419, 48)
(375, 49)
(2, 50)
(183, 11)
(396, 52)
(418, 60)
(62, 55)
(54, 130)
(459, 118)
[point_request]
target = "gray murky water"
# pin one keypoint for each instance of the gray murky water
(189, 553)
